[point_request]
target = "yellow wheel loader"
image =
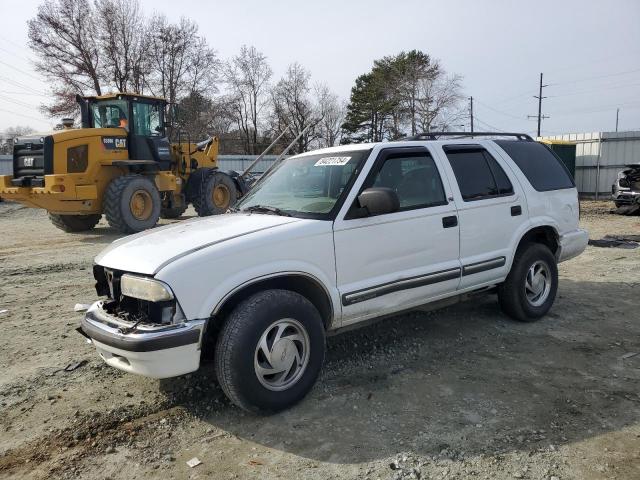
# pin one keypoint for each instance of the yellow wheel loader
(120, 164)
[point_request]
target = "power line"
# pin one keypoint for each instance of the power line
(596, 77)
(600, 108)
(12, 42)
(20, 70)
(583, 92)
(17, 55)
(25, 116)
(23, 93)
(498, 111)
(19, 102)
(489, 125)
(19, 85)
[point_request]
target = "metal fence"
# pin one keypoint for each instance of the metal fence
(599, 158)
(6, 166)
(225, 162)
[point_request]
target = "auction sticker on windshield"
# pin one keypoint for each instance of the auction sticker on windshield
(330, 161)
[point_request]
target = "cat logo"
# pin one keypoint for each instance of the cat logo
(114, 143)
(27, 161)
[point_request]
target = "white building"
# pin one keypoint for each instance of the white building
(599, 158)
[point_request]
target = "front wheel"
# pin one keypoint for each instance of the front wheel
(530, 288)
(74, 223)
(132, 203)
(270, 351)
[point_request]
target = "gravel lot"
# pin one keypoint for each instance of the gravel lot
(459, 393)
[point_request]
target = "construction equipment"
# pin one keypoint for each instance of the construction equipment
(120, 163)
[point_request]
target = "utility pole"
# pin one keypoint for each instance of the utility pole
(617, 115)
(539, 97)
(471, 112)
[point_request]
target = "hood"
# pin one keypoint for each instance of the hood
(149, 251)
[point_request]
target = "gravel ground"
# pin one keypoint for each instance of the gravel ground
(459, 393)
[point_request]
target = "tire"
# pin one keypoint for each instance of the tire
(237, 351)
(74, 223)
(524, 301)
(132, 203)
(214, 193)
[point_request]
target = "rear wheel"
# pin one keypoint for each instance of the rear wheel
(215, 193)
(270, 351)
(132, 203)
(74, 223)
(530, 288)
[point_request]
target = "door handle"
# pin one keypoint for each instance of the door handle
(448, 222)
(516, 210)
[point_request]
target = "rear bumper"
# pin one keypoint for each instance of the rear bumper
(572, 244)
(153, 352)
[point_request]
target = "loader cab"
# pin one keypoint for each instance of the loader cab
(142, 118)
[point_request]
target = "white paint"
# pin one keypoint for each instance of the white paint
(206, 260)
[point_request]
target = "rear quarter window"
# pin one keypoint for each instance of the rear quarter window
(544, 170)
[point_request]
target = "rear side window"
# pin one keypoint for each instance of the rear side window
(542, 168)
(478, 174)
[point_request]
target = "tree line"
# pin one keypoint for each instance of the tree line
(111, 45)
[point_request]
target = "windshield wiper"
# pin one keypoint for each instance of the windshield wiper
(266, 209)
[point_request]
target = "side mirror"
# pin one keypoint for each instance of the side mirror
(379, 200)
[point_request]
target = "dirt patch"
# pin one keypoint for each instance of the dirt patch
(459, 393)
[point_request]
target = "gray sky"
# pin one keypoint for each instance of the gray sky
(589, 52)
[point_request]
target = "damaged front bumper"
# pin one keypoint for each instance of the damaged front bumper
(157, 351)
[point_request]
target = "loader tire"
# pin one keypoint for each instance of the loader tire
(74, 223)
(215, 194)
(132, 204)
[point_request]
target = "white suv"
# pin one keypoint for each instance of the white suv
(328, 239)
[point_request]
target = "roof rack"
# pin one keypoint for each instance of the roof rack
(435, 135)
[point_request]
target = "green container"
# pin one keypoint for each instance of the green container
(566, 151)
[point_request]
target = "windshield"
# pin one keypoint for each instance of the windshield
(309, 185)
(110, 114)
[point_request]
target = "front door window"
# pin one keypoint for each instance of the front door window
(147, 118)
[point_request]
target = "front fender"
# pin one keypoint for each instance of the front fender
(231, 285)
(203, 279)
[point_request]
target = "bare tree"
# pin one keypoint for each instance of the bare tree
(331, 112)
(438, 102)
(292, 107)
(182, 64)
(247, 78)
(64, 37)
(6, 137)
(123, 43)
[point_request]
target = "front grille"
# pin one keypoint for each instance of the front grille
(29, 161)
